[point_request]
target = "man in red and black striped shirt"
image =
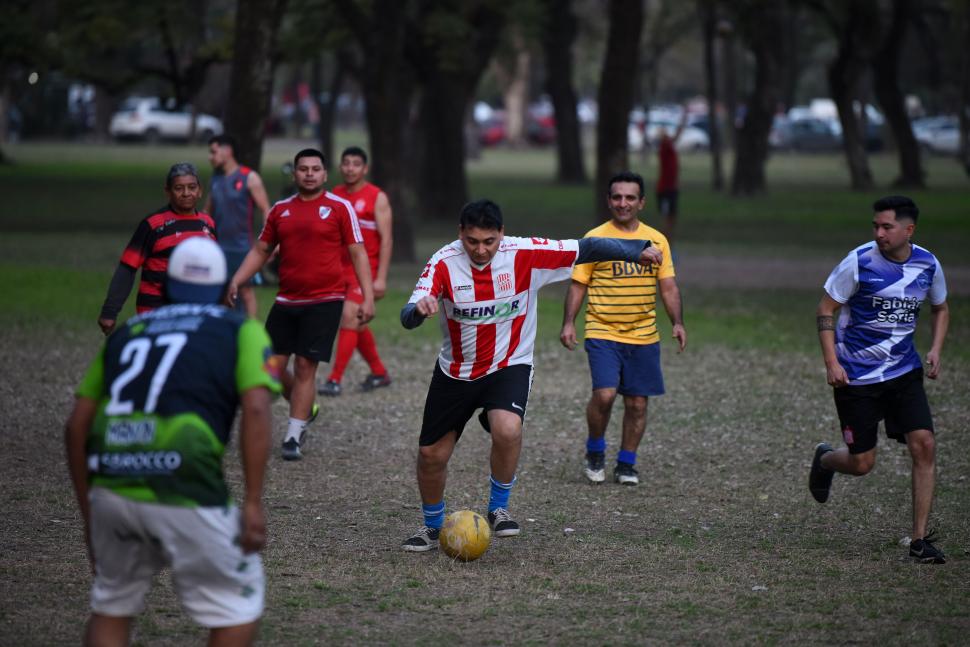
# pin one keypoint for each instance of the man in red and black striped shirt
(152, 244)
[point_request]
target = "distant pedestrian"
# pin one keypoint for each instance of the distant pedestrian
(668, 177)
(236, 193)
(872, 363)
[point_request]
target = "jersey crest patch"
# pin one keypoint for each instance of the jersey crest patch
(324, 213)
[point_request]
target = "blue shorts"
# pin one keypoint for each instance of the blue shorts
(631, 369)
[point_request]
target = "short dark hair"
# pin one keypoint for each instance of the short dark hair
(223, 140)
(355, 151)
(903, 207)
(178, 170)
(625, 176)
(483, 214)
(309, 152)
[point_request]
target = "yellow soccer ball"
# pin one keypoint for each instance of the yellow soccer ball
(465, 535)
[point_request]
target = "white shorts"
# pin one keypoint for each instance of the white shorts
(217, 584)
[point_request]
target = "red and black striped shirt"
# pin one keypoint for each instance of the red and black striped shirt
(152, 244)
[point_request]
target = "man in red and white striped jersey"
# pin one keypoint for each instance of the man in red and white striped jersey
(312, 228)
(487, 287)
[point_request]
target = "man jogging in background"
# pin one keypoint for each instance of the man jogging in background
(374, 215)
(236, 193)
(872, 363)
(484, 287)
(312, 229)
(145, 443)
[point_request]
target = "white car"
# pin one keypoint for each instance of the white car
(940, 135)
(146, 118)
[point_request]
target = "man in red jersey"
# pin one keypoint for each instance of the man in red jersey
(312, 229)
(668, 178)
(152, 244)
(374, 214)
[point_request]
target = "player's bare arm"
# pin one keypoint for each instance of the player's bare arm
(358, 256)
(651, 254)
(254, 442)
(257, 192)
(254, 260)
(835, 375)
(384, 219)
(939, 323)
(670, 294)
(574, 301)
(75, 439)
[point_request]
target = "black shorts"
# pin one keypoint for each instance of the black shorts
(901, 402)
(307, 331)
(451, 402)
(667, 203)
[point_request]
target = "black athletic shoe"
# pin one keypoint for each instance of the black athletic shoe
(924, 552)
(291, 450)
(502, 523)
(595, 471)
(423, 540)
(372, 382)
(819, 478)
(625, 474)
(329, 388)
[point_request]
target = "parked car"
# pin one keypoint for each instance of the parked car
(806, 134)
(148, 119)
(939, 135)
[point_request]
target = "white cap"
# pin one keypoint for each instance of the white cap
(196, 271)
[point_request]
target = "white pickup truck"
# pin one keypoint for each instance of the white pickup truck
(147, 119)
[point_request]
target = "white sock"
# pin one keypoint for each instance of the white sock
(294, 429)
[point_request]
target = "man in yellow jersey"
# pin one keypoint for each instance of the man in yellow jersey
(622, 341)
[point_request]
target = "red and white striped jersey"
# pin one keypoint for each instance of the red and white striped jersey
(488, 315)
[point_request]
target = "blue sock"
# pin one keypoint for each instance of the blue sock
(434, 514)
(499, 495)
(623, 456)
(596, 444)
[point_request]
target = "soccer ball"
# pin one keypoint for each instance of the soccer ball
(465, 535)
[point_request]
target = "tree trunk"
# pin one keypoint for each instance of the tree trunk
(844, 76)
(965, 95)
(729, 63)
(763, 29)
(558, 41)
(885, 68)
(615, 96)
(251, 81)
(708, 16)
(326, 110)
(516, 92)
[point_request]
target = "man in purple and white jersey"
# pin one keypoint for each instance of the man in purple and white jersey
(871, 361)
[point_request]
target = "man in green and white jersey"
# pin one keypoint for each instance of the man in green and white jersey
(145, 444)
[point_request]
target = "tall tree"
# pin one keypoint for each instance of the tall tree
(558, 40)
(449, 52)
(885, 67)
(964, 17)
(615, 95)
(708, 15)
(762, 26)
(251, 81)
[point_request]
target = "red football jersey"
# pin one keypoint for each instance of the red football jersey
(669, 167)
(312, 235)
(363, 202)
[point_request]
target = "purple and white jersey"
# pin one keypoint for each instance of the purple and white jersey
(874, 335)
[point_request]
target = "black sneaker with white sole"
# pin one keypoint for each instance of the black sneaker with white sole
(924, 552)
(595, 471)
(625, 474)
(424, 539)
(329, 388)
(372, 382)
(820, 478)
(292, 447)
(502, 523)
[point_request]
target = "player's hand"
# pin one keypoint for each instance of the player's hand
(366, 311)
(932, 364)
(651, 255)
(252, 535)
(427, 306)
(232, 293)
(380, 288)
(836, 376)
(567, 336)
(680, 334)
(107, 325)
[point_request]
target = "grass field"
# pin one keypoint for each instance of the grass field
(720, 544)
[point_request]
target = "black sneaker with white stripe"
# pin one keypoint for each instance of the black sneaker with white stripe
(502, 523)
(924, 552)
(424, 539)
(820, 478)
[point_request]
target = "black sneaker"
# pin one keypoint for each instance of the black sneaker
(595, 471)
(819, 478)
(502, 523)
(291, 449)
(372, 382)
(330, 388)
(625, 474)
(924, 552)
(423, 540)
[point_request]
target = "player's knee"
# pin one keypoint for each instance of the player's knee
(922, 445)
(635, 406)
(432, 457)
(602, 399)
(861, 464)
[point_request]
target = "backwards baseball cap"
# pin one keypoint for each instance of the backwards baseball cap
(196, 271)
